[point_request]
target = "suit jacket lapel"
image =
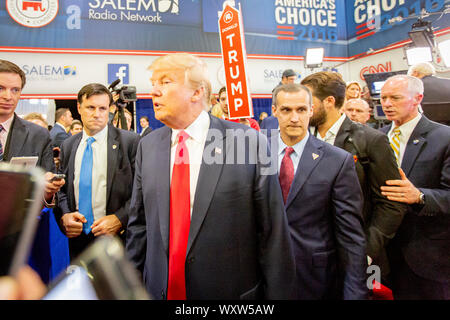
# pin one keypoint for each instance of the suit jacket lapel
(19, 134)
(112, 156)
(311, 156)
(343, 133)
(162, 180)
(208, 177)
(415, 144)
(71, 171)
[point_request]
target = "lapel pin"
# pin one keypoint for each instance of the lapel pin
(315, 156)
(218, 150)
(416, 141)
(114, 146)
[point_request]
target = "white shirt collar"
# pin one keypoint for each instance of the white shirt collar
(298, 147)
(196, 130)
(7, 124)
(407, 128)
(57, 123)
(336, 126)
(99, 137)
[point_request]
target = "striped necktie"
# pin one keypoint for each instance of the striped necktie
(1, 145)
(395, 144)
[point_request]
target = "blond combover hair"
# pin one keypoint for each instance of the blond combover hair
(195, 71)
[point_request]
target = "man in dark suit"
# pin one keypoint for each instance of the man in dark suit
(112, 152)
(207, 218)
(419, 253)
(63, 120)
(374, 161)
(435, 89)
(145, 126)
(20, 138)
(323, 204)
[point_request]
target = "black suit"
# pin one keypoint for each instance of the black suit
(26, 139)
(324, 214)
(382, 217)
(435, 89)
(58, 135)
(146, 131)
(122, 146)
(239, 245)
(423, 239)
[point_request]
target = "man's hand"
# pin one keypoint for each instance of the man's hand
(27, 285)
(108, 224)
(401, 190)
(52, 187)
(73, 224)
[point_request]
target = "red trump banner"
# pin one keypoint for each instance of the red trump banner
(235, 60)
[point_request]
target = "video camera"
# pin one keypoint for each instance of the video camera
(126, 93)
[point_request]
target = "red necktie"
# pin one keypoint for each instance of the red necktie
(286, 172)
(179, 220)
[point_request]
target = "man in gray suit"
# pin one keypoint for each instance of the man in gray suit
(202, 229)
(20, 138)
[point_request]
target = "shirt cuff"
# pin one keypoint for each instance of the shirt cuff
(51, 204)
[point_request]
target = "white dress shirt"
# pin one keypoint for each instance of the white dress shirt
(406, 130)
(99, 171)
(197, 131)
(330, 135)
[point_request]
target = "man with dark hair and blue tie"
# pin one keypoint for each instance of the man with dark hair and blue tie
(323, 202)
(99, 168)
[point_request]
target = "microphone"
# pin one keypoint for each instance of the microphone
(395, 19)
(115, 83)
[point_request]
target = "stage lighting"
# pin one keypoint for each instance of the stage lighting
(314, 57)
(444, 49)
(421, 34)
(416, 55)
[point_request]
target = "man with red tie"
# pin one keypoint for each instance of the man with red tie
(323, 202)
(204, 225)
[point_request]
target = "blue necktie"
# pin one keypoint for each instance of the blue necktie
(85, 186)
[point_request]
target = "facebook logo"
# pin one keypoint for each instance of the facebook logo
(119, 71)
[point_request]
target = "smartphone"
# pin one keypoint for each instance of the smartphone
(21, 204)
(58, 176)
(101, 272)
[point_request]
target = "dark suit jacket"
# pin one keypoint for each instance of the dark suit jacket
(58, 135)
(239, 246)
(122, 146)
(382, 217)
(27, 139)
(268, 124)
(435, 89)
(424, 235)
(146, 131)
(324, 214)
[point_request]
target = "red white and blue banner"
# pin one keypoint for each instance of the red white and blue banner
(272, 27)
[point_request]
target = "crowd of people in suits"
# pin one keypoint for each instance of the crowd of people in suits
(335, 197)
